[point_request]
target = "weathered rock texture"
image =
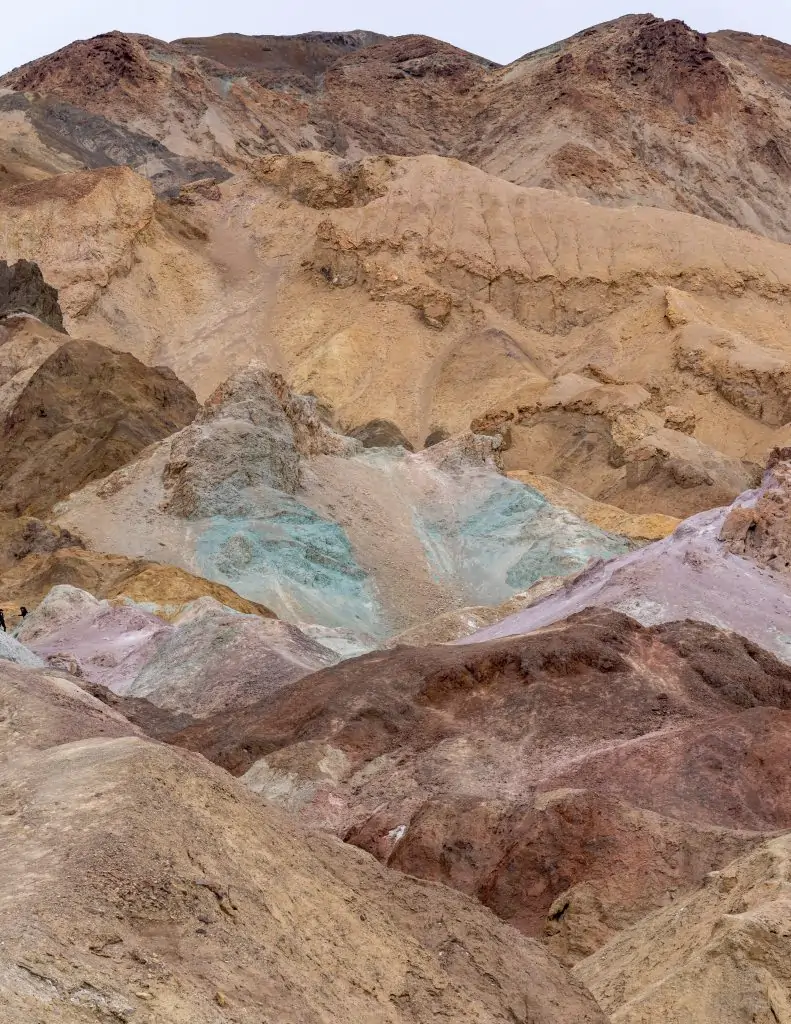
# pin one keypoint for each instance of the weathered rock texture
(42, 556)
(720, 954)
(572, 116)
(386, 285)
(24, 290)
(524, 770)
(710, 569)
(206, 659)
(761, 531)
(84, 412)
(153, 885)
(260, 495)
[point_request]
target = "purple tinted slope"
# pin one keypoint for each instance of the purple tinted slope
(689, 575)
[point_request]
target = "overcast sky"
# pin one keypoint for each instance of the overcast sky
(499, 29)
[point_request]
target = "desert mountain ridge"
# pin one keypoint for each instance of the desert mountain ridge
(395, 558)
(633, 111)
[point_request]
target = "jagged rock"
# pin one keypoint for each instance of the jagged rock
(760, 529)
(250, 433)
(24, 290)
(682, 420)
(712, 956)
(26, 536)
(322, 182)
(205, 188)
(380, 434)
(605, 441)
(747, 375)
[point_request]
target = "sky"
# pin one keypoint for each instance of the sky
(499, 29)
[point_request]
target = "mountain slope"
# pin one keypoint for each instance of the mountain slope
(141, 882)
(634, 111)
(85, 411)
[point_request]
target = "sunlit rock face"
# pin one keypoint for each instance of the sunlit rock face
(259, 494)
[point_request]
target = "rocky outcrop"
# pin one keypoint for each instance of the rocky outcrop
(27, 536)
(260, 495)
(42, 556)
(208, 657)
(24, 290)
(606, 441)
(748, 376)
(86, 411)
(380, 434)
(759, 529)
(702, 571)
(251, 433)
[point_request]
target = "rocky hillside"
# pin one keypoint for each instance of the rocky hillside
(85, 411)
(163, 890)
(634, 111)
(395, 559)
(636, 355)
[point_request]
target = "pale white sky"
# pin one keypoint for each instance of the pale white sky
(499, 29)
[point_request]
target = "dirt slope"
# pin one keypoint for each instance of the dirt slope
(85, 411)
(720, 955)
(141, 881)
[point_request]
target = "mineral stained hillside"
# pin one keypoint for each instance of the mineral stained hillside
(395, 530)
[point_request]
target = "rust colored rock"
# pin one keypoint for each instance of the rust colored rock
(593, 753)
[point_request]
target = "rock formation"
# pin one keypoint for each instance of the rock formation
(258, 494)
(399, 282)
(571, 116)
(759, 529)
(709, 569)
(208, 658)
(85, 411)
(716, 954)
(24, 290)
(466, 558)
(42, 556)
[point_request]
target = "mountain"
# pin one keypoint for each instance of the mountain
(159, 888)
(394, 546)
(633, 111)
(384, 287)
